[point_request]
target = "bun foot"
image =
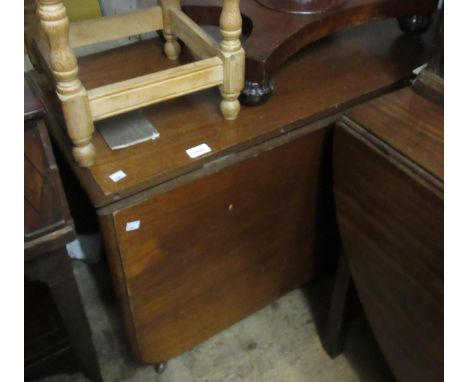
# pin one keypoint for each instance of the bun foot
(256, 93)
(415, 25)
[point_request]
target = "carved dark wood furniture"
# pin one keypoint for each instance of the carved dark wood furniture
(57, 333)
(195, 245)
(388, 185)
(276, 29)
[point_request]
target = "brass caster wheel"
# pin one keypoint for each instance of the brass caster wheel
(160, 367)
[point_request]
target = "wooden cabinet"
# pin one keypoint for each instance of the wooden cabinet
(214, 249)
(195, 245)
(57, 334)
(388, 182)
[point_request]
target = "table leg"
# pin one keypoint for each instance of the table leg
(334, 335)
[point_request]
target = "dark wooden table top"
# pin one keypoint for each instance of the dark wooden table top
(408, 122)
(321, 81)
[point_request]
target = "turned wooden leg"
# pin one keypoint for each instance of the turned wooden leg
(72, 94)
(234, 58)
(334, 335)
(171, 46)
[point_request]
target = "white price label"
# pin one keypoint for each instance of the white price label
(118, 175)
(197, 151)
(133, 226)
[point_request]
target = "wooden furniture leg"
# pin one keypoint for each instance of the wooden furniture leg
(334, 335)
(56, 271)
(234, 59)
(172, 46)
(72, 94)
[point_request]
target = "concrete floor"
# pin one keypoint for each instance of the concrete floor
(278, 343)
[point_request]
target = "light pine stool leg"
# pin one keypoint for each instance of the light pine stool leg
(171, 46)
(72, 94)
(234, 58)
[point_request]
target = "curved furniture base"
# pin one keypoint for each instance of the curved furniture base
(302, 7)
(272, 36)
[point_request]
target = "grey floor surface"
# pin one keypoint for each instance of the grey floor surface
(278, 343)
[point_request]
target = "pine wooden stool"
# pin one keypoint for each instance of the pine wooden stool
(51, 45)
